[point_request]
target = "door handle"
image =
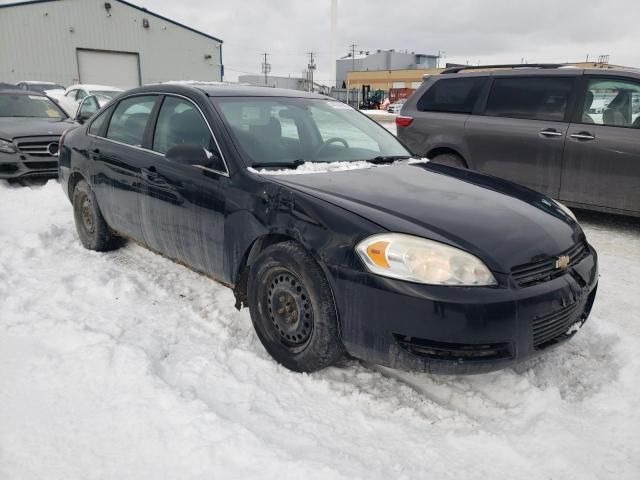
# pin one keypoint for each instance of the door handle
(96, 151)
(583, 136)
(551, 132)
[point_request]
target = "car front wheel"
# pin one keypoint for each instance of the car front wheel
(292, 308)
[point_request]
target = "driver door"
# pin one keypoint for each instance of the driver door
(183, 206)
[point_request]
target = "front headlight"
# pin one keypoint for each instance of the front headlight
(7, 146)
(566, 210)
(420, 260)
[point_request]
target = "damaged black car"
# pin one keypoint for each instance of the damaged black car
(336, 237)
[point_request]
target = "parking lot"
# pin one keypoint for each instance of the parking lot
(126, 365)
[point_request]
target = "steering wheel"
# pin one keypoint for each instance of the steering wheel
(328, 142)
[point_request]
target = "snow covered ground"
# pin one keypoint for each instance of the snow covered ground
(127, 366)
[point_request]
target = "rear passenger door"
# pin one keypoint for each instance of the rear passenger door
(521, 131)
(602, 154)
(118, 156)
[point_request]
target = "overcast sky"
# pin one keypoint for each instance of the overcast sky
(485, 31)
(467, 30)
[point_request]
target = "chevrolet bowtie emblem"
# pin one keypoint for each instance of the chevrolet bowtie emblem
(562, 262)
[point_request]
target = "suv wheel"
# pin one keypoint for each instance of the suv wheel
(292, 309)
(450, 159)
(93, 231)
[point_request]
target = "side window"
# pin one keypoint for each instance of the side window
(533, 98)
(80, 95)
(180, 123)
(130, 118)
(454, 95)
(611, 102)
(96, 126)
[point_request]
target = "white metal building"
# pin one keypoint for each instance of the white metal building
(110, 43)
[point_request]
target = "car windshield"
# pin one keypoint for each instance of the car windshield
(273, 131)
(36, 106)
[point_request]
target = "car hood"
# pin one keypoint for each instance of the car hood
(502, 223)
(15, 127)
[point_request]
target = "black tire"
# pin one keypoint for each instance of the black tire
(292, 309)
(90, 225)
(450, 159)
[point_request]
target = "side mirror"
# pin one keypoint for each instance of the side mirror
(86, 109)
(195, 156)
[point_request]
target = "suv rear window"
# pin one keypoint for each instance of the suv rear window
(532, 98)
(455, 95)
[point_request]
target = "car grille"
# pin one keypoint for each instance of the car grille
(545, 270)
(554, 327)
(38, 146)
(41, 165)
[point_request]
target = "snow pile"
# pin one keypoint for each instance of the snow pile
(324, 167)
(125, 365)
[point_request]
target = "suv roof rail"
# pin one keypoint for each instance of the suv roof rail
(507, 65)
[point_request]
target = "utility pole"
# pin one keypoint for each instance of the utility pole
(310, 68)
(353, 69)
(266, 67)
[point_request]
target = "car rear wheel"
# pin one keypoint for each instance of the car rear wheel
(450, 159)
(93, 231)
(292, 309)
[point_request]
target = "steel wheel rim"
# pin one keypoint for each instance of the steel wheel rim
(86, 213)
(289, 310)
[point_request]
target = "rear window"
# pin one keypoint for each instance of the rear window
(455, 95)
(533, 98)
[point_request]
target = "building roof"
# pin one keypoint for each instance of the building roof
(361, 55)
(142, 9)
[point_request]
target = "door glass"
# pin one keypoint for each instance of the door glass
(180, 123)
(96, 125)
(533, 98)
(614, 103)
(80, 95)
(129, 120)
(456, 95)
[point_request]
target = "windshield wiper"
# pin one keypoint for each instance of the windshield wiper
(293, 164)
(387, 159)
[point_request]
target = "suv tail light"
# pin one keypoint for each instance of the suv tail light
(403, 121)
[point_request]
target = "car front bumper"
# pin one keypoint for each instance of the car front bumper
(459, 330)
(18, 165)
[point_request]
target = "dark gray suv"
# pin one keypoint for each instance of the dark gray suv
(570, 133)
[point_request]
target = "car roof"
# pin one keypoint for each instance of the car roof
(37, 82)
(16, 91)
(226, 90)
(541, 72)
(87, 86)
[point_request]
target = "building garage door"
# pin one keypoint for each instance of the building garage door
(116, 69)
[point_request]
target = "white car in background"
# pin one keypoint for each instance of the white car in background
(76, 93)
(396, 106)
(50, 89)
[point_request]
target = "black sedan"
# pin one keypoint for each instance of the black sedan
(324, 226)
(30, 128)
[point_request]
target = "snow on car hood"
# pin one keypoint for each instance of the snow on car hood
(324, 167)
